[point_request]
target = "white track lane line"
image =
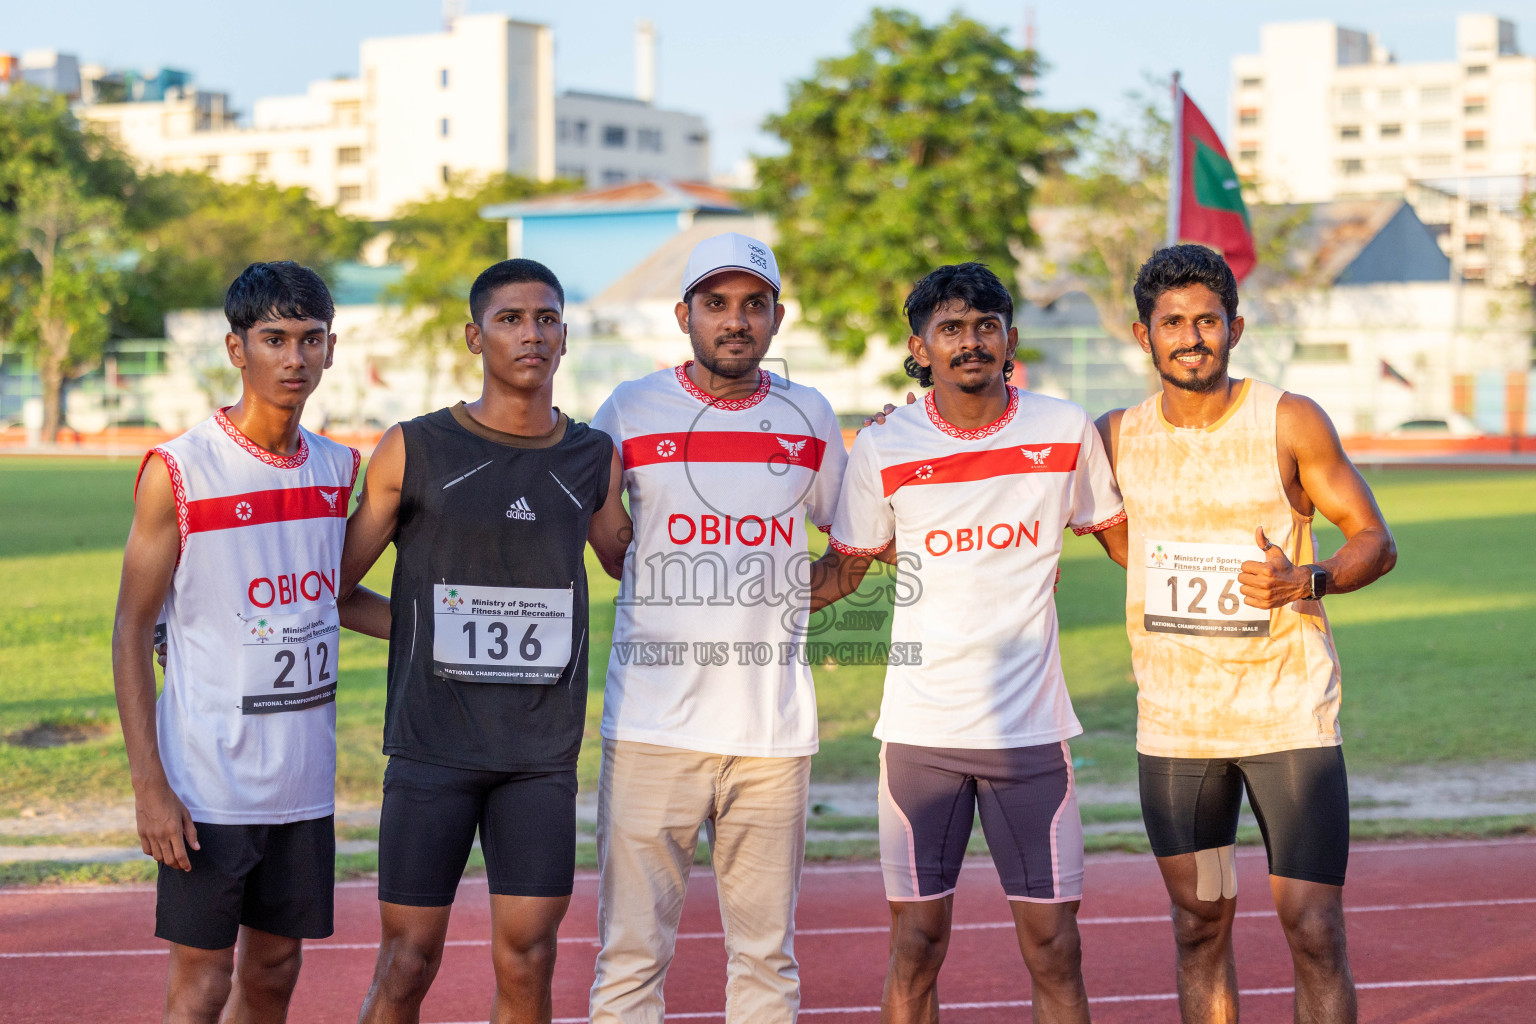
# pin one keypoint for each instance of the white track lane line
(810, 869)
(881, 929)
(1140, 997)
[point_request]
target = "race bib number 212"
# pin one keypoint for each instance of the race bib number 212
(1192, 589)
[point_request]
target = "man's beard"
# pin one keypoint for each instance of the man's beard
(976, 356)
(1198, 385)
(728, 367)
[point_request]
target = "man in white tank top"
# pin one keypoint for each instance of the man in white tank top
(1237, 673)
(236, 540)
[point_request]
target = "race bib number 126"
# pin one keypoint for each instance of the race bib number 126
(1192, 589)
(502, 634)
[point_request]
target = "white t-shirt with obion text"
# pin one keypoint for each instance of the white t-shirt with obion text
(713, 602)
(978, 517)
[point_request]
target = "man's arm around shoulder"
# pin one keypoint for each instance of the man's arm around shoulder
(611, 530)
(370, 528)
(149, 561)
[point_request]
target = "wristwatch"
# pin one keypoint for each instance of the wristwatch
(1319, 580)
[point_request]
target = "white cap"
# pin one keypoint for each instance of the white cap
(730, 251)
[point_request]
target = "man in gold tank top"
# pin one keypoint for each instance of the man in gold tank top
(1236, 669)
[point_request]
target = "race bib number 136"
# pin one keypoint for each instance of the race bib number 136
(502, 634)
(1192, 589)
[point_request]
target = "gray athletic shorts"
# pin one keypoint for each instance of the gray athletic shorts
(929, 797)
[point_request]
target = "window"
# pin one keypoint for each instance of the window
(301, 157)
(1475, 109)
(1435, 162)
(562, 130)
(348, 155)
(442, 127)
(579, 133)
(349, 193)
(614, 177)
(1349, 132)
(1435, 130)
(349, 112)
(1475, 142)
(1477, 211)
(259, 161)
(1391, 131)
(1476, 243)
(1476, 69)
(1435, 95)
(615, 136)
(573, 171)
(442, 79)
(1351, 166)
(648, 139)
(1253, 83)
(1474, 273)
(698, 138)
(1391, 97)
(1248, 155)
(1248, 117)
(447, 174)
(1349, 99)
(211, 162)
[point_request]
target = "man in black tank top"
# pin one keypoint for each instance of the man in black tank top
(490, 505)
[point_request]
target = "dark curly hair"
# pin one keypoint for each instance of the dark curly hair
(1179, 266)
(971, 283)
(281, 290)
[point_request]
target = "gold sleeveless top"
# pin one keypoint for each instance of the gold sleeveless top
(1210, 683)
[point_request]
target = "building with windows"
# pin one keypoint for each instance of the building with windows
(477, 98)
(1323, 112)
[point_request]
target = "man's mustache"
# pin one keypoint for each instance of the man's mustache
(1201, 349)
(734, 339)
(971, 356)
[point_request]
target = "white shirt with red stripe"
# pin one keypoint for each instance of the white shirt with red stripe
(978, 517)
(247, 718)
(713, 603)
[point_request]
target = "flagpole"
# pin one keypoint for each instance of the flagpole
(1175, 164)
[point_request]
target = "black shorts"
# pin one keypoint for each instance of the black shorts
(1300, 797)
(279, 879)
(527, 824)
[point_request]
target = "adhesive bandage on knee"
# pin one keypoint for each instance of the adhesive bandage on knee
(1216, 874)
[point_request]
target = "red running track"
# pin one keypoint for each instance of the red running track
(1438, 932)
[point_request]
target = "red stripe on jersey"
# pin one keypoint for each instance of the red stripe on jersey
(762, 447)
(1057, 457)
(257, 507)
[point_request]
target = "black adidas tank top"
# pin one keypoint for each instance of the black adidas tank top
(488, 647)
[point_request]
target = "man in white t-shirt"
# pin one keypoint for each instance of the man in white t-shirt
(706, 720)
(970, 491)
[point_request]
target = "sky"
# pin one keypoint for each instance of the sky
(730, 62)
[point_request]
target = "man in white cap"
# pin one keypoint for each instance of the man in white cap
(709, 713)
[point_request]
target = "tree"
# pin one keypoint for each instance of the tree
(445, 244)
(62, 251)
(195, 235)
(918, 149)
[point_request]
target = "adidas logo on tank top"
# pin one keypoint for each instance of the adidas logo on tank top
(521, 510)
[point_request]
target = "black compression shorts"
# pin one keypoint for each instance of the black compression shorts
(526, 820)
(1300, 797)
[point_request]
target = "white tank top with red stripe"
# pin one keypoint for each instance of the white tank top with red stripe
(247, 719)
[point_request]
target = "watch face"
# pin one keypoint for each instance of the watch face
(1319, 583)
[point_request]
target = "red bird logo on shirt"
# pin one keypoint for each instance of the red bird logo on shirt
(792, 447)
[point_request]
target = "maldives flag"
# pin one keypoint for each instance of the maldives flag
(1205, 201)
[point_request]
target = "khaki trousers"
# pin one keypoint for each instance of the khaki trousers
(651, 802)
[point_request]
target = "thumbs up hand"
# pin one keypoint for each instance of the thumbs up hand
(1276, 580)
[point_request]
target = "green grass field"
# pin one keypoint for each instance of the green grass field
(1439, 658)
